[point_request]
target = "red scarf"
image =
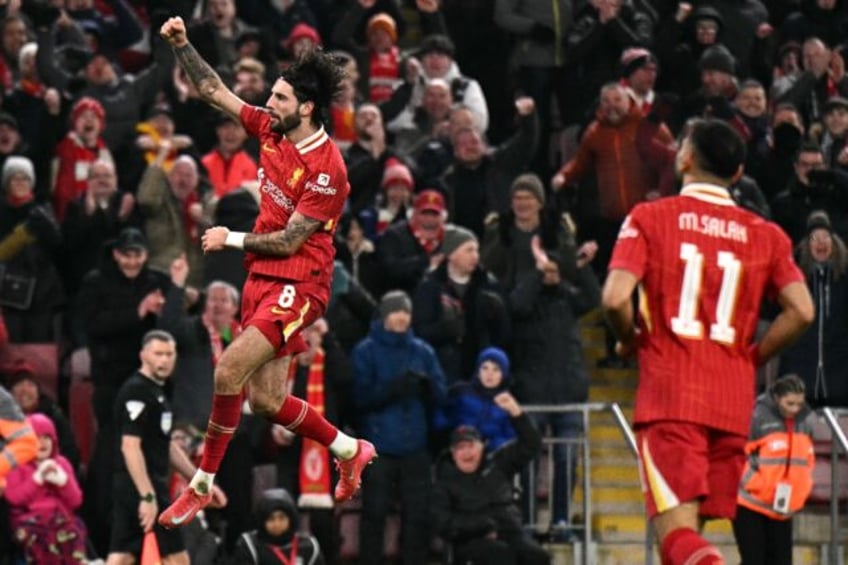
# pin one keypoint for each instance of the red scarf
(32, 87)
(343, 123)
(215, 338)
(74, 159)
(191, 226)
(383, 72)
(429, 245)
(314, 457)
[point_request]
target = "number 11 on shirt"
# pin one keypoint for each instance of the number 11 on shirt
(686, 323)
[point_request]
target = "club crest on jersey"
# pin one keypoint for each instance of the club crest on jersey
(295, 177)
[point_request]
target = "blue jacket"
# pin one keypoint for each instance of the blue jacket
(396, 377)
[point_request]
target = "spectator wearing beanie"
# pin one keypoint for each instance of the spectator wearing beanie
(302, 39)
(459, 308)
(29, 239)
(396, 198)
(473, 403)
(718, 85)
(506, 244)
(639, 69)
(396, 380)
(680, 42)
(379, 59)
(82, 146)
(819, 356)
(436, 55)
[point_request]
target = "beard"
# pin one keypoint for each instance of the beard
(286, 124)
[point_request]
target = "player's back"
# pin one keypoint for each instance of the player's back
(707, 264)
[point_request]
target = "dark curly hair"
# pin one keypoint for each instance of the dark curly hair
(317, 77)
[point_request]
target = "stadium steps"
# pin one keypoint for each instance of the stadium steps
(618, 520)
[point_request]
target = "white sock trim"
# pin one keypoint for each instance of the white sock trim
(344, 446)
(202, 481)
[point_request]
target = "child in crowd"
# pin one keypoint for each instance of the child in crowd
(277, 540)
(43, 495)
(473, 403)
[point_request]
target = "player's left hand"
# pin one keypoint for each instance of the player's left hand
(214, 239)
(627, 348)
(219, 499)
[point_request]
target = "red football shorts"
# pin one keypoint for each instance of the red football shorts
(681, 462)
(281, 308)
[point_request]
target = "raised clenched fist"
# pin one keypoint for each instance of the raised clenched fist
(174, 32)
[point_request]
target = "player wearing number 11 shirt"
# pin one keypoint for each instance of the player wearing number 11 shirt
(303, 186)
(702, 264)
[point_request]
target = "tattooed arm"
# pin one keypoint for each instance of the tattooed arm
(209, 85)
(281, 243)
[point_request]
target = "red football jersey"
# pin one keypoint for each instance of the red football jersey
(703, 264)
(309, 177)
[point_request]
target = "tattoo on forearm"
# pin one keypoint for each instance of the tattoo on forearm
(282, 243)
(204, 78)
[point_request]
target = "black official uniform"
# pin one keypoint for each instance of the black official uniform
(142, 410)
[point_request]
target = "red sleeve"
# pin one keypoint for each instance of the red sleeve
(324, 194)
(631, 249)
(255, 121)
(783, 268)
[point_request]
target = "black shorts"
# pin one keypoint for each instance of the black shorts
(127, 535)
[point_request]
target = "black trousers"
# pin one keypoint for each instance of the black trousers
(390, 478)
(762, 540)
(518, 551)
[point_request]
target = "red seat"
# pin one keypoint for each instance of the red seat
(42, 358)
(81, 415)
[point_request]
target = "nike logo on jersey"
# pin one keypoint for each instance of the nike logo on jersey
(268, 148)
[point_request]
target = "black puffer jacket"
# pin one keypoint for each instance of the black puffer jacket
(109, 304)
(470, 505)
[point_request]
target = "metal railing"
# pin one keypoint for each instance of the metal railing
(627, 432)
(838, 440)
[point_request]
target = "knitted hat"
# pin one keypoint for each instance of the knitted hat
(88, 103)
(397, 173)
(436, 43)
(718, 58)
(531, 183)
(835, 102)
(8, 119)
(300, 31)
(635, 58)
(17, 164)
(464, 433)
(496, 355)
(394, 301)
(385, 22)
(818, 220)
(455, 236)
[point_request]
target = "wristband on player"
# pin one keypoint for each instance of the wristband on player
(235, 239)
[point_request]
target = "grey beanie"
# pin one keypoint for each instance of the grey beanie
(455, 236)
(394, 301)
(17, 164)
(531, 183)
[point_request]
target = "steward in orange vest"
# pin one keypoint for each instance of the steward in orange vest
(778, 475)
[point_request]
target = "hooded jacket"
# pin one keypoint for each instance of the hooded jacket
(31, 499)
(258, 547)
(473, 403)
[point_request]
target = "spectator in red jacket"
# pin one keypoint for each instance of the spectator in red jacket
(228, 164)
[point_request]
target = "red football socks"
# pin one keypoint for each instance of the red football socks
(298, 416)
(684, 546)
(226, 413)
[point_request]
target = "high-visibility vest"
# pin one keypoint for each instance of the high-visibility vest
(783, 456)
